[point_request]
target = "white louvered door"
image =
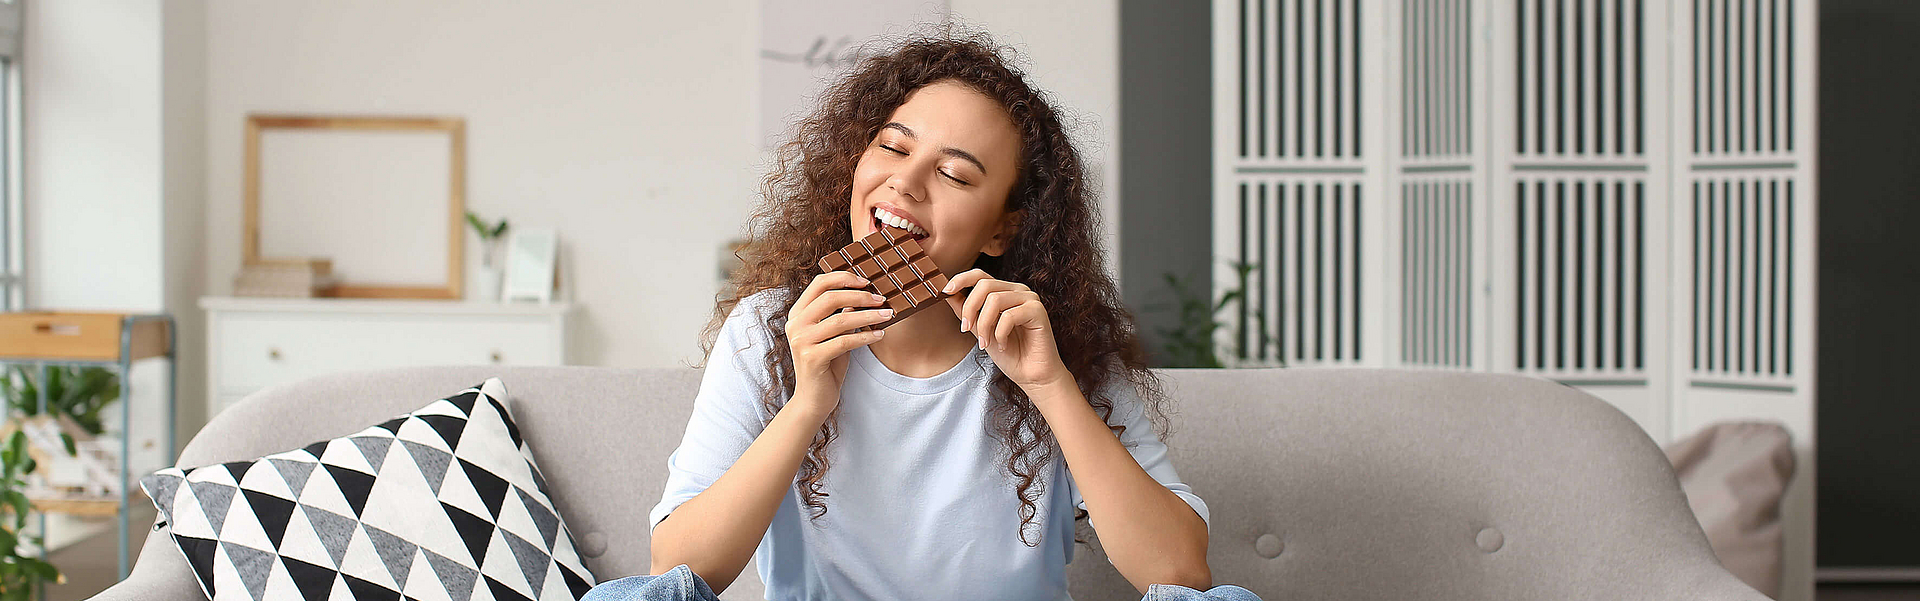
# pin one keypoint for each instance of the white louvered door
(1613, 194)
(1299, 199)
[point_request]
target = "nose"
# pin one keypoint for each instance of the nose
(910, 180)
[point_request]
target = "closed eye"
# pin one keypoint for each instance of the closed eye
(943, 173)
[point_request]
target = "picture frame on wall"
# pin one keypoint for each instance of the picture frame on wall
(382, 197)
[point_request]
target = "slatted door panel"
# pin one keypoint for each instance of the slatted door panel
(1578, 256)
(1293, 195)
(1437, 273)
(1305, 290)
(1742, 212)
(1581, 286)
(1613, 194)
(1300, 95)
(1579, 69)
(1437, 218)
(1743, 215)
(1438, 60)
(1742, 279)
(1742, 77)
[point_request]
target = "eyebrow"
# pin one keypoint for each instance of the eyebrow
(946, 150)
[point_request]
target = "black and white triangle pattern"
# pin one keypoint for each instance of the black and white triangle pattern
(442, 504)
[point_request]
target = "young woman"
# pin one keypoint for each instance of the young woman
(950, 454)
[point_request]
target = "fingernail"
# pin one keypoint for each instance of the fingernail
(884, 313)
(963, 324)
(879, 299)
(948, 289)
(983, 341)
(879, 333)
(1002, 345)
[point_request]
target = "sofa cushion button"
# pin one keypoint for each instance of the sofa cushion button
(1268, 546)
(594, 544)
(1490, 539)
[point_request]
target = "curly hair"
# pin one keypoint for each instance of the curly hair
(803, 216)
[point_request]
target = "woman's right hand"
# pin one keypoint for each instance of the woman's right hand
(820, 331)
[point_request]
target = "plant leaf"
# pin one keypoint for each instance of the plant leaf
(1226, 298)
(21, 505)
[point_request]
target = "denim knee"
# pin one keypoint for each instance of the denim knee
(1174, 592)
(677, 584)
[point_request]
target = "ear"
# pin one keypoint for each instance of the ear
(1009, 225)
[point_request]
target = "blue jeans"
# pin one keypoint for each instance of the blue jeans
(681, 584)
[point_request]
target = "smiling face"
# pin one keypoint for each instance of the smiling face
(942, 165)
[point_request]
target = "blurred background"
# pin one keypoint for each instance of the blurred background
(1694, 209)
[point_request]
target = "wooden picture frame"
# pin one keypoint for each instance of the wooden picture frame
(454, 220)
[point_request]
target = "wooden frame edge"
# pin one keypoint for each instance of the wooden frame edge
(456, 129)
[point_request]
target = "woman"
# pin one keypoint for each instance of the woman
(948, 455)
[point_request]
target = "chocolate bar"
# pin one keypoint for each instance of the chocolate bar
(896, 267)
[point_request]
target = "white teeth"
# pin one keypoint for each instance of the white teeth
(895, 221)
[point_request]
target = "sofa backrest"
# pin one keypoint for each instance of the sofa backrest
(1323, 483)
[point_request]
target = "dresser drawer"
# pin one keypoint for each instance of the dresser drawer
(258, 350)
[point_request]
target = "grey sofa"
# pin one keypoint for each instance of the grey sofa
(1338, 484)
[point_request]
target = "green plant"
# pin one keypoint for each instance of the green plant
(20, 575)
(79, 393)
(489, 236)
(488, 233)
(1190, 342)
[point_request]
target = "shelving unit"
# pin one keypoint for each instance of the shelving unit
(114, 341)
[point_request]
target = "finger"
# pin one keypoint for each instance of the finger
(833, 301)
(970, 310)
(1022, 314)
(956, 300)
(965, 279)
(828, 281)
(996, 302)
(847, 320)
(839, 345)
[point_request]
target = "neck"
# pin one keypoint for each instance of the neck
(925, 345)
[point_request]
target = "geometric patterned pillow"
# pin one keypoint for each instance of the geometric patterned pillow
(442, 504)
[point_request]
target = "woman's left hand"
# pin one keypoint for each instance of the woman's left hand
(1012, 326)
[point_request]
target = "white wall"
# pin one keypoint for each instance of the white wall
(1072, 51)
(91, 82)
(629, 127)
(113, 172)
(183, 59)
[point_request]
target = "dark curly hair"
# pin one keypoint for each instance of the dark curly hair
(803, 216)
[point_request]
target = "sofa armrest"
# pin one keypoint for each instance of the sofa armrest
(160, 574)
(1708, 581)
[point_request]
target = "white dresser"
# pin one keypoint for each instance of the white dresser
(253, 343)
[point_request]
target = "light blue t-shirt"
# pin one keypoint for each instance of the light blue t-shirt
(920, 503)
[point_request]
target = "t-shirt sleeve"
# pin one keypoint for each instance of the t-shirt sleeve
(727, 413)
(1146, 448)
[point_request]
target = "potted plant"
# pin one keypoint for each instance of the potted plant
(21, 576)
(75, 395)
(1190, 343)
(486, 283)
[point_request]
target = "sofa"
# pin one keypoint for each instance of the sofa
(1336, 484)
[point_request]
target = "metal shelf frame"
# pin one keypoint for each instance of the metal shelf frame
(123, 369)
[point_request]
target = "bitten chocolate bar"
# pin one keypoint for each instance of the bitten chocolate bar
(898, 268)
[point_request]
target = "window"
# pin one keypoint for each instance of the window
(12, 242)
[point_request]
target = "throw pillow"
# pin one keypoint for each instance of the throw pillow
(442, 504)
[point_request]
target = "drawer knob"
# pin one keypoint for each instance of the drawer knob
(496, 356)
(273, 353)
